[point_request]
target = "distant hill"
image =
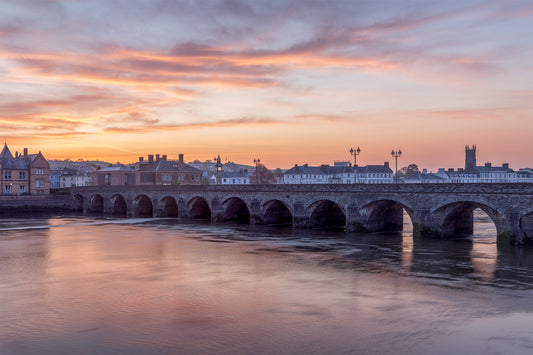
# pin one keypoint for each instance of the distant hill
(82, 166)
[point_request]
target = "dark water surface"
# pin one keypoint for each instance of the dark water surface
(140, 286)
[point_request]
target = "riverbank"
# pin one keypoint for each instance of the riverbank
(15, 205)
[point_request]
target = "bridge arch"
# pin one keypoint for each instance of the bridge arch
(78, 201)
(97, 205)
(277, 212)
(120, 208)
(169, 207)
(385, 215)
(198, 208)
(526, 226)
(457, 218)
(236, 210)
(143, 206)
(326, 214)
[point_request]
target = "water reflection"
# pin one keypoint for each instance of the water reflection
(164, 286)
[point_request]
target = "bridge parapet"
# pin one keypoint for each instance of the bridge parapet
(440, 210)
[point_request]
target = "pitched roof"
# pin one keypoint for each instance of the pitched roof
(6, 153)
(372, 169)
(168, 165)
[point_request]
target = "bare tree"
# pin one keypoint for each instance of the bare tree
(262, 175)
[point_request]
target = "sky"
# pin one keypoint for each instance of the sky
(286, 82)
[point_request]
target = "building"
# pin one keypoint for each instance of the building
(70, 178)
(425, 178)
(375, 174)
(158, 171)
(115, 175)
(168, 172)
(487, 173)
(24, 173)
(231, 178)
(340, 173)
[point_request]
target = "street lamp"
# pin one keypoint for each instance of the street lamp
(355, 153)
(396, 155)
(257, 161)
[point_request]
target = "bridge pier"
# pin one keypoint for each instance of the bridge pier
(355, 222)
(509, 231)
(217, 211)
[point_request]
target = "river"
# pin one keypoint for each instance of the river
(74, 285)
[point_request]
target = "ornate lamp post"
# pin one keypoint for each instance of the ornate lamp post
(218, 169)
(396, 155)
(355, 153)
(257, 180)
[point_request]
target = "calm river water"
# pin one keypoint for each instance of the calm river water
(139, 286)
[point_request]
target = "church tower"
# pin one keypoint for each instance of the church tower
(470, 158)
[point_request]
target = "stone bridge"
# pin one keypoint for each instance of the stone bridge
(438, 210)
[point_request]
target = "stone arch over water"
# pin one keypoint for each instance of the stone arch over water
(97, 205)
(385, 215)
(199, 208)
(143, 206)
(326, 214)
(277, 213)
(457, 218)
(120, 208)
(169, 207)
(236, 210)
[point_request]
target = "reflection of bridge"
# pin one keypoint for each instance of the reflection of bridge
(435, 209)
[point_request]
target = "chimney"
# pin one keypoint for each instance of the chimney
(25, 152)
(164, 157)
(488, 165)
(181, 158)
(16, 154)
(424, 171)
(505, 165)
(150, 158)
(141, 159)
(386, 164)
(157, 157)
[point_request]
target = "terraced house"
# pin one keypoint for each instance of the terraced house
(24, 174)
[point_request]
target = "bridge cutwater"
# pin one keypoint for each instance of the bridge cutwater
(436, 210)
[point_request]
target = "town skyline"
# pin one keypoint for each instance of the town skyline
(286, 82)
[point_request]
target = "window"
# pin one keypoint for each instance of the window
(7, 175)
(22, 189)
(22, 175)
(39, 183)
(39, 171)
(107, 179)
(7, 189)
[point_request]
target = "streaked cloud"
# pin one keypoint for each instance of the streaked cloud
(106, 68)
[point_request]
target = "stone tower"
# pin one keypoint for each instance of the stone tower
(470, 158)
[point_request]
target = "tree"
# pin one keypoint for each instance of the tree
(262, 175)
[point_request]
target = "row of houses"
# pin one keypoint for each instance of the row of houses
(339, 173)
(31, 174)
(153, 171)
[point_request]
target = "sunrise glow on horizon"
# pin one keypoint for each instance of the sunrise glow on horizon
(289, 82)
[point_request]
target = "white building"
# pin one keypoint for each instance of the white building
(74, 178)
(232, 178)
(375, 174)
(340, 173)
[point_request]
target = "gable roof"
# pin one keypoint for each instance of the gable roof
(6, 153)
(168, 165)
